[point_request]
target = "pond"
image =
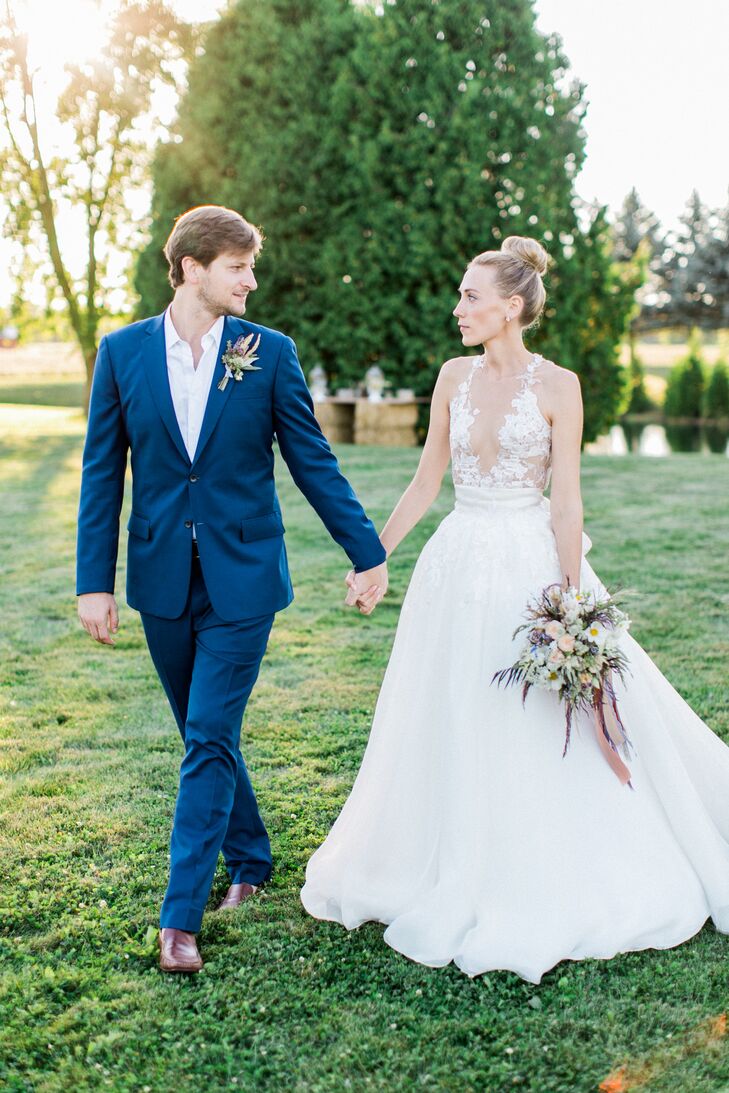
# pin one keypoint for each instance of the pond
(655, 439)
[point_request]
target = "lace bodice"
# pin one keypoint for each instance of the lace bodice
(524, 437)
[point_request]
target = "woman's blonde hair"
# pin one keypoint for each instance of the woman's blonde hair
(520, 265)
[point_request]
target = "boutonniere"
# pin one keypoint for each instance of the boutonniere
(239, 358)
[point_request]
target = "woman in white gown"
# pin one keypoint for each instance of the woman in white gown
(466, 832)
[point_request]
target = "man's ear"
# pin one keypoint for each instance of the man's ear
(191, 270)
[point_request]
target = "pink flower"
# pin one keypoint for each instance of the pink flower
(566, 643)
(554, 629)
(556, 657)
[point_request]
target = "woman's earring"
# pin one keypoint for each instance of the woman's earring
(508, 318)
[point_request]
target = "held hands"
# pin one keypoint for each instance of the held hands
(366, 589)
(99, 616)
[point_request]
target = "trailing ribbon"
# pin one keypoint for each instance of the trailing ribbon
(605, 706)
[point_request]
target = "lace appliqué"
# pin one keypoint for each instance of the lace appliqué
(525, 438)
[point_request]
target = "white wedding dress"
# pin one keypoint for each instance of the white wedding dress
(466, 832)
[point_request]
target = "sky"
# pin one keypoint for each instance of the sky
(657, 88)
(656, 75)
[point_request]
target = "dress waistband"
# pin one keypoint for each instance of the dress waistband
(485, 499)
(469, 498)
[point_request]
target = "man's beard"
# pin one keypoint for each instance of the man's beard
(217, 306)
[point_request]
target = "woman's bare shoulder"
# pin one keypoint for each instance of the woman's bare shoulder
(559, 381)
(453, 372)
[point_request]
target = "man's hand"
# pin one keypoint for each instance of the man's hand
(99, 616)
(366, 589)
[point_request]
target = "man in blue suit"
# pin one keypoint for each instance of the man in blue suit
(198, 395)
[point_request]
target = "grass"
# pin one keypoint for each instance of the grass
(42, 392)
(89, 756)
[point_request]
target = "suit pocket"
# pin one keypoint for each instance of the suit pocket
(243, 392)
(261, 527)
(139, 526)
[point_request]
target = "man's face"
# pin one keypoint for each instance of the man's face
(224, 286)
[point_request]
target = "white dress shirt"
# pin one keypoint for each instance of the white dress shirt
(190, 386)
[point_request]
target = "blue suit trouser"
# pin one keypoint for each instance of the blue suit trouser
(208, 668)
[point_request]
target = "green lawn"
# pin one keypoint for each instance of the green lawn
(89, 756)
(43, 392)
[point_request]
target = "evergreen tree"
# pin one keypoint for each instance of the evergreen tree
(716, 396)
(255, 133)
(457, 137)
(685, 388)
(714, 272)
(639, 243)
(685, 300)
(590, 300)
(634, 225)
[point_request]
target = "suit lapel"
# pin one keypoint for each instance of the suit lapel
(216, 398)
(154, 356)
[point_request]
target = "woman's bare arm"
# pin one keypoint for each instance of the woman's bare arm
(425, 486)
(565, 405)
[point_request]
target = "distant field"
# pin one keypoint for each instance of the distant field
(52, 373)
(660, 359)
(54, 360)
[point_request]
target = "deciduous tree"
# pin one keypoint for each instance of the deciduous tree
(106, 105)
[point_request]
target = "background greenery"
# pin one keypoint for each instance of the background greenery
(380, 152)
(380, 145)
(89, 756)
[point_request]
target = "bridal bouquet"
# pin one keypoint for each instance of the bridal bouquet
(572, 647)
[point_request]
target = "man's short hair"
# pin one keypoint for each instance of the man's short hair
(206, 232)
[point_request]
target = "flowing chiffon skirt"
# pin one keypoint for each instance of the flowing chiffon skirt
(467, 833)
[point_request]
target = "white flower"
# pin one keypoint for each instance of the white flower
(596, 634)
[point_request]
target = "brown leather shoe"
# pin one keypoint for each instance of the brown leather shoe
(237, 894)
(178, 951)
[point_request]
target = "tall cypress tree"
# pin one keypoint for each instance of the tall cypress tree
(593, 297)
(686, 382)
(456, 136)
(716, 395)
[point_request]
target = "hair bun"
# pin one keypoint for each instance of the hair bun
(528, 251)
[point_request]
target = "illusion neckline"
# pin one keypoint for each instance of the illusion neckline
(535, 359)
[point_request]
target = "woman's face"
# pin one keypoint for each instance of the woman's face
(481, 310)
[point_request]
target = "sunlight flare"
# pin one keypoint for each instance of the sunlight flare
(61, 34)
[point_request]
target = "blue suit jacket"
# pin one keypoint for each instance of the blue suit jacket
(227, 490)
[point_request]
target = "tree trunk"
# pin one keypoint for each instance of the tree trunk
(89, 354)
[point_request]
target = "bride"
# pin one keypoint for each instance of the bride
(466, 832)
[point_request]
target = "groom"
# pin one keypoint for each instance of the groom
(198, 395)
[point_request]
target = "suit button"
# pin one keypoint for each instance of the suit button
(188, 523)
(194, 477)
